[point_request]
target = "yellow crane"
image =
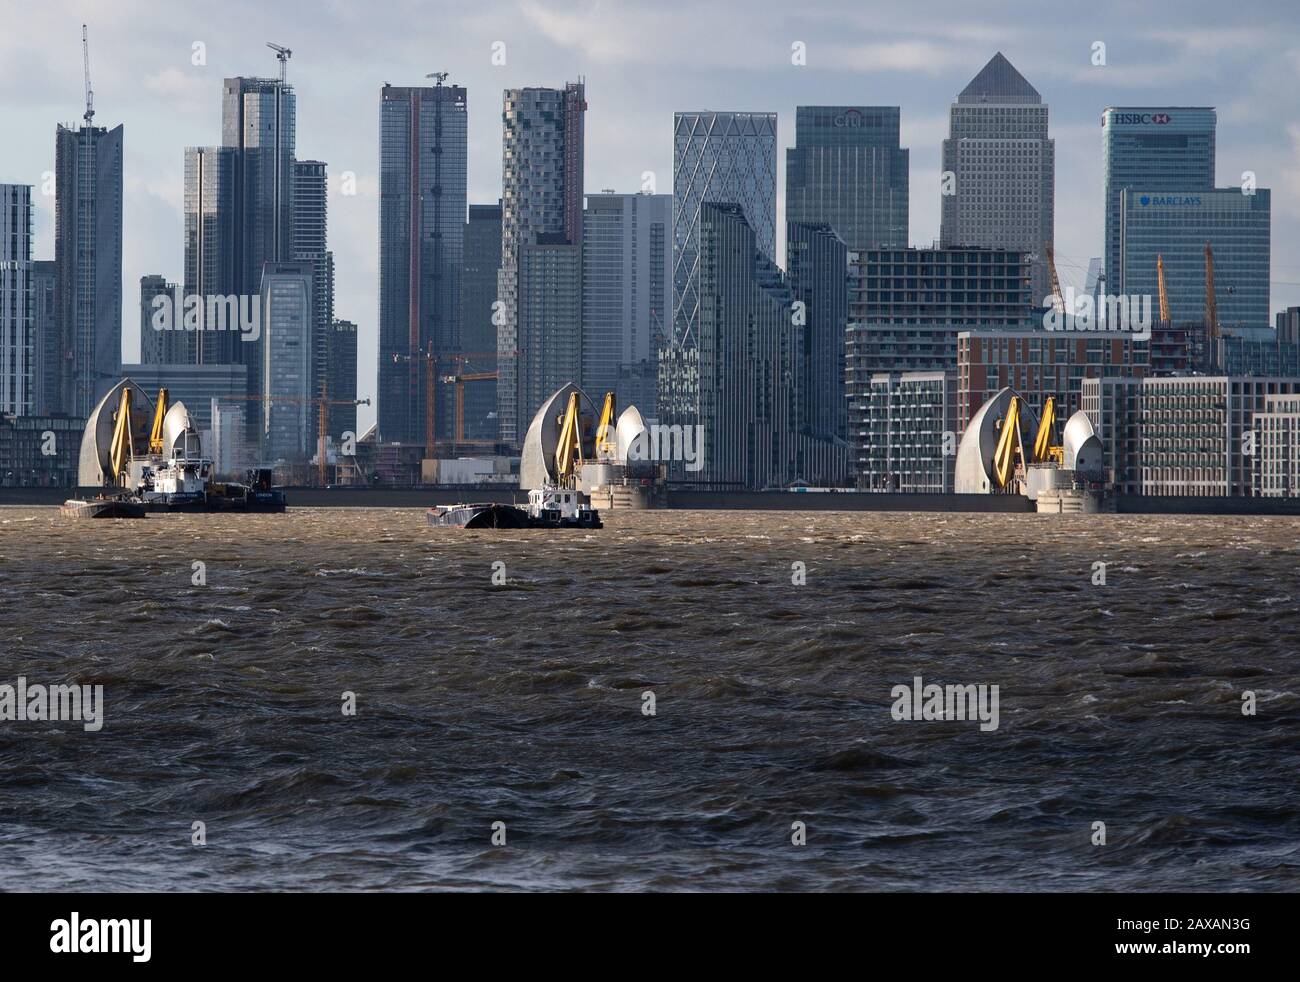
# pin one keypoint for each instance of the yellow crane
(122, 449)
(1044, 447)
(1058, 298)
(568, 451)
(604, 446)
(1009, 442)
(159, 414)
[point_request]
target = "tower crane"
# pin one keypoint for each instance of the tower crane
(1165, 316)
(282, 55)
(85, 59)
(1058, 298)
(322, 403)
(1211, 309)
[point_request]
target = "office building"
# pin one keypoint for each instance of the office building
(478, 294)
(738, 383)
(1276, 457)
(1181, 436)
(212, 230)
(549, 321)
(847, 170)
(17, 302)
(627, 295)
(341, 374)
(88, 258)
(1176, 227)
(46, 338)
(311, 245)
(818, 277)
(40, 451)
(908, 437)
(173, 345)
(1161, 150)
(1039, 365)
(543, 134)
(718, 157)
(1000, 170)
(287, 320)
(227, 444)
(422, 199)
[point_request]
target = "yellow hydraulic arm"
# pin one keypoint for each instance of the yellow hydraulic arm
(122, 449)
(156, 434)
(1004, 456)
(569, 449)
(603, 444)
(1044, 449)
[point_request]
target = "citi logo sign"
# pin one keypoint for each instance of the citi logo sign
(1127, 119)
(851, 119)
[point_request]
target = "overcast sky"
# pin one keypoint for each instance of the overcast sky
(642, 60)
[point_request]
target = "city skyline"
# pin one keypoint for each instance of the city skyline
(918, 61)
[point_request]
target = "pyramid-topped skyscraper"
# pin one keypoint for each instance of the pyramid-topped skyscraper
(1000, 169)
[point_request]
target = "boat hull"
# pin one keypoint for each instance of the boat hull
(479, 516)
(102, 508)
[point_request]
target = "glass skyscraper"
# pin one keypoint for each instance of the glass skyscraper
(478, 291)
(422, 198)
(1158, 149)
(17, 341)
(718, 158)
(1176, 228)
(847, 170)
(88, 258)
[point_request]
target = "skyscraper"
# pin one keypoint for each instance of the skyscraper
(739, 383)
(422, 174)
(549, 324)
(17, 316)
(45, 335)
(817, 261)
(1169, 149)
(1003, 170)
(287, 312)
(627, 255)
(169, 347)
(310, 245)
(1175, 229)
(342, 365)
(478, 292)
(541, 199)
(258, 120)
(88, 255)
(718, 157)
(847, 170)
(211, 231)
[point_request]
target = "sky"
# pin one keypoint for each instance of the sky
(156, 67)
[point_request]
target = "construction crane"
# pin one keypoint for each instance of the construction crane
(322, 403)
(431, 361)
(459, 381)
(282, 55)
(1058, 298)
(85, 59)
(1165, 316)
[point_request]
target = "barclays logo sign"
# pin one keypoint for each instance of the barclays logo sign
(1186, 200)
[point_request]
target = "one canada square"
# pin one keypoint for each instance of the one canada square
(999, 170)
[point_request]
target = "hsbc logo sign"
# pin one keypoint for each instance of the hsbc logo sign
(1140, 119)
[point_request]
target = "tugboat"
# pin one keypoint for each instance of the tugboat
(556, 507)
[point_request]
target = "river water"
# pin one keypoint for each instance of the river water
(509, 677)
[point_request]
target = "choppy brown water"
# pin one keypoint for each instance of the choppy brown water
(522, 703)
